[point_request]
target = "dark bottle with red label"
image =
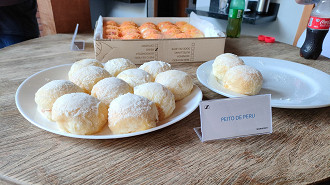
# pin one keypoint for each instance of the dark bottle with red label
(317, 29)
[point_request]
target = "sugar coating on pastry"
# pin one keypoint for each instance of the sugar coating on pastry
(48, 94)
(181, 23)
(155, 67)
(112, 23)
(135, 77)
(83, 63)
(223, 63)
(149, 32)
(80, 113)
(117, 65)
(110, 88)
(178, 82)
(129, 31)
(243, 79)
(87, 77)
(131, 113)
(112, 32)
(132, 35)
(146, 26)
(128, 23)
(160, 95)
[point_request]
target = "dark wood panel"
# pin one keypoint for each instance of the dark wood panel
(62, 16)
(68, 13)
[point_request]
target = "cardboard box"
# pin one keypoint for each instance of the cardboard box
(167, 50)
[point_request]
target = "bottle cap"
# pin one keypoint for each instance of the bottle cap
(269, 39)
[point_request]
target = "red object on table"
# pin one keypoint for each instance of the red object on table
(261, 37)
(266, 39)
(269, 39)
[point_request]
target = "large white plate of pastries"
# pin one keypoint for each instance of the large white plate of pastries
(25, 101)
(291, 85)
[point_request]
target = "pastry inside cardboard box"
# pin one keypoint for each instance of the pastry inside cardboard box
(148, 30)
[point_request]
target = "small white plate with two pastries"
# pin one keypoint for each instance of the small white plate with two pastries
(291, 85)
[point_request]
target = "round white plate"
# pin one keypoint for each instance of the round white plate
(28, 108)
(291, 85)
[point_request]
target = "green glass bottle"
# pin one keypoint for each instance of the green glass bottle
(235, 17)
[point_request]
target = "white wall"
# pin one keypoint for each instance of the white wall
(121, 9)
(283, 29)
(110, 8)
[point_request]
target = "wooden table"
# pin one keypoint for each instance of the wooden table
(297, 152)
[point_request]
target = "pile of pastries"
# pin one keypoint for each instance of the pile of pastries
(163, 30)
(117, 93)
(233, 74)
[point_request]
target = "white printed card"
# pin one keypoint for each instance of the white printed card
(235, 117)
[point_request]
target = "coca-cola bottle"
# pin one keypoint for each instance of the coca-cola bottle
(317, 29)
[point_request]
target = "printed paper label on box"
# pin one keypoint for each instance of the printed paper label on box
(235, 117)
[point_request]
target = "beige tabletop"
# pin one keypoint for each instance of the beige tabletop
(297, 152)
